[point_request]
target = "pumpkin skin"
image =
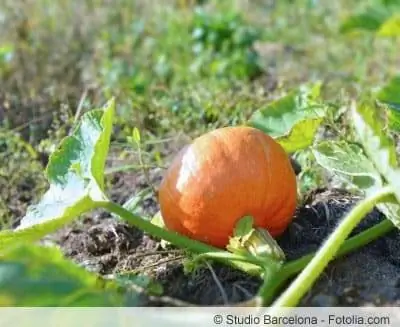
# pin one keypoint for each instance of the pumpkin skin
(223, 176)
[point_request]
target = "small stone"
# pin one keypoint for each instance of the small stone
(323, 300)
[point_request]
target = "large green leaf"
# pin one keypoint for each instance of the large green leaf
(301, 135)
(349, 163)
(379, 147)
(368, 19)
(390, 95)
(75, 174)
(391, 27)
(368, 122)
(41, 276)
(293, 119)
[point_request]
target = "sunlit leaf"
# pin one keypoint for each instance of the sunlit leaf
(391, 27)
(293, 119)
(394, 119)
(390, 95)
(6, 54)
(368, 122)
(349, 163)
(369, 19)
(136, 135)
(76, 176)
(158, 220)
(378, 146)
(301, 136)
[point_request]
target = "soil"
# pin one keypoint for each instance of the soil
(109, 246)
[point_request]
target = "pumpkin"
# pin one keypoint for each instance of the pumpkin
(224, 175)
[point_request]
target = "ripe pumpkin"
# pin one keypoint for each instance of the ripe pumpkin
(223, 176)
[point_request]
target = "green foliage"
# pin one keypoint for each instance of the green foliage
(311, 176)
(139, 282)
(294, 119)
(224, 45)
(390, 93)
(369, 19)
(380, 17)
(379, 147)
(75, 173)
(347, 161)
(391, 27)
(6, 55)
(41, 276)
(368, 122)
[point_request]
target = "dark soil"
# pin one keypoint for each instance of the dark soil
(369, 276)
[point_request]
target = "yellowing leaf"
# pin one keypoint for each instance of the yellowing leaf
(391, 27)
(293, 119)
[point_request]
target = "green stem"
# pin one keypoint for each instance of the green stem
(292, 296)
(272, 281)
(128, 167)
(148, 227)
(231, 256)
(270, 287)
(355, 242)
(177, 239)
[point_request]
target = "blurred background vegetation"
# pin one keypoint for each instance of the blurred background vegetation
(175, 67)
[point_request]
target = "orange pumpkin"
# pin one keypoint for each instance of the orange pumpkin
(223, 176)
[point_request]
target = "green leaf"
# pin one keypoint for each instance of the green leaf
(390, 93)
(133, 203)
(301, 136)
(244, 226)
(76, 176)
(369, 19)
(131, 280)
(379, 147)
(394, 119)
(40, 276)
(391, 27)
(158, 220)
(136, 135)
(348, 162)
(293, 119)
(368, 122)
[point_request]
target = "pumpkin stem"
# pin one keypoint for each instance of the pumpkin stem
(292, 296)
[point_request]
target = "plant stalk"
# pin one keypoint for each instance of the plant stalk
(292, 296)
(355, 242)
(179, 240)
(268, 291)
(147, 227)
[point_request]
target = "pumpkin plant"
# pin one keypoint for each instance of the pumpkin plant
(231, 193)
